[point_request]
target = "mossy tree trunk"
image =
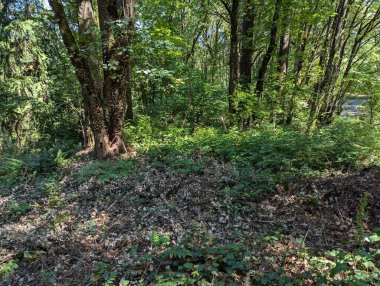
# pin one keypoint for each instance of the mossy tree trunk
(106, 90)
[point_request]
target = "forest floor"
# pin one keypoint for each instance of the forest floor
(158, 225)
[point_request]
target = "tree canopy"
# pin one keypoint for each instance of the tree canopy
(234, 63)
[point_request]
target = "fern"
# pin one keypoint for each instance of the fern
(11, 168)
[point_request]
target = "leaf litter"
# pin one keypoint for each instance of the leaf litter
(63, 236)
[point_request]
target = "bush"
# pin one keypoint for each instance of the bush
(14, 169)
(344, 145)
(267, 156)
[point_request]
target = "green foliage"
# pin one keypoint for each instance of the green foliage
(180, 72)
(6, 268)
(357, 268)
(343, 145)
(17, 209)
(26, 166)
(52, 188)
(107, 171)
(198, 265)
(11, 170)
(33, 255)
(140, 131)
(361, 217)
(160, 241)
(267, 156)
(334, 267)
(37, 83)
(105, 274)
(60, 159)
(46, 161)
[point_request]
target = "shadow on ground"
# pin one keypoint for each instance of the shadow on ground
(74, 232)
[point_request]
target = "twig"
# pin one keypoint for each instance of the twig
(337, 206)
(307, 232)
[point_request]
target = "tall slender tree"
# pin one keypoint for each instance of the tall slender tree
(233, 12)
(247, 45)
(283, 59)
(270, 50)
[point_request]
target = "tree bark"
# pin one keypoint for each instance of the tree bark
(247, 47)
(117, 25)
(245, 65)
(233, 11)
(283, 66)
(114, 86)
(269, 52)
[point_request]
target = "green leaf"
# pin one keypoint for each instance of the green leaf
(340, 267)
(124, 282)
(188, 266)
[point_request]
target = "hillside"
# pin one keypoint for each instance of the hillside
(180, 217)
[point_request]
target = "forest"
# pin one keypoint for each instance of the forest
(189, 142)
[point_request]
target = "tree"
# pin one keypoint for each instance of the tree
(349, 31)
(233, 12)
(247, 45)
(283, 60)
(106, 89)
(280, 61)
(270, 50)
(38, 102)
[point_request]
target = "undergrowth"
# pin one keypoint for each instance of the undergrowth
(21, 167)
(107, 171)
(263, 157)
(347, 144)
(259, 159)
(203, 262)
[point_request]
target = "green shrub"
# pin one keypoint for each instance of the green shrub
(6, 268)
(16, 209)
(346, 144)
(48, 160)
(201, 265)
(265, 157)
(10, 170)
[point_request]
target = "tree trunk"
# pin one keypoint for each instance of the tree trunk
(116, 40)
(233, 11)
(334, 98)
(283, 65)
(298, 67)
(329, 78)
(318, 85)
(115, 83)
(234, 56)
(269, 52)
(247, 47)
(245, 72)
(129, 113)
(88, 136)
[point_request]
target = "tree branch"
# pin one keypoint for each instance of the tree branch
(82, 71)
(228, 8)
